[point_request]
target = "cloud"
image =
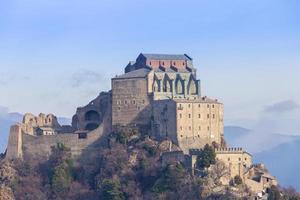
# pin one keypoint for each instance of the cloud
(3, 110)
(282, 107)
(85, 76)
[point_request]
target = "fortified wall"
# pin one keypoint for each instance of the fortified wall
(36, 135)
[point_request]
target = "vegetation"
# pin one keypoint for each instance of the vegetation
(207, 157)
(123, 170)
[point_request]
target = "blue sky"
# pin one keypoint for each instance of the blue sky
(57, 55)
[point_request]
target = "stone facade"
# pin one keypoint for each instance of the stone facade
(163, 90)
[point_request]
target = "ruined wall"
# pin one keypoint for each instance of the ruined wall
(130, 101)
(92, 115)
(40, 146)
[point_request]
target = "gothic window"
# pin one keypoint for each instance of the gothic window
(192, 87)
(156, 86)
(179, 86)
(167, 85)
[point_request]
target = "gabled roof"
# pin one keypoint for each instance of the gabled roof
(166, 56)
(140, 73)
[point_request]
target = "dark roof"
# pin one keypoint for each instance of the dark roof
(140, 73)
(167, 56)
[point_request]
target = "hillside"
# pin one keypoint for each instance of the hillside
(284, 162)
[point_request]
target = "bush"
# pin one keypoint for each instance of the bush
(238, 180)
(206, 158)
(111, 190)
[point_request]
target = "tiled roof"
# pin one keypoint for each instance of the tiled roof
(140, 73)
(167, 56)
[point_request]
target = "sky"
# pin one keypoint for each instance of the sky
(57, 55)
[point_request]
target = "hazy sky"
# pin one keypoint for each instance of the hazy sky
(56, 55)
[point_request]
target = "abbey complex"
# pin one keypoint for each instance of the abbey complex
(161, 95)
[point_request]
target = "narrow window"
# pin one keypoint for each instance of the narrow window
(213, 106)
(199, 105)
(199, 116)
(150, 63)
(189, 115)
(190, 128)
(207, 116)
(189, 105)
(213, 115)
(208, 128)
(199, 128)
(207, 105)
(180, 115)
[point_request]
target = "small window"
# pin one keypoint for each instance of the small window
(190, 128)
(189, 115)
(213, 115)
(199, 128)
(125, 102)
(199, 116)
(180, 115)
(207, 116)
(198, 135)
(82, 135)
(213, 106)
(183, 63)
(189, 105)
(150, 63)
(207, 105)
(143, 101)
(163, 63)
(245, 159)
(208, 128)
(180, 127)
(199, 105)
(228, 159)
(181, 135)
(119, 108)
(133, 101)
(174, 63)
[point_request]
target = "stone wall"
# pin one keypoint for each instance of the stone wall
(236, 159)
(188, 123)
(40, 146)
(130, 101)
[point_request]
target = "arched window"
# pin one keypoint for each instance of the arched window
(156, 86)
(179, 86)
(92, 116)
(167, 85)
(192, 87)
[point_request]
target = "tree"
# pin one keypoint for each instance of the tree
(238, 180)
(111, 190)
(274, 193)
(206, 158)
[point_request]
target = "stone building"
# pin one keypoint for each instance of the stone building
(162, 91)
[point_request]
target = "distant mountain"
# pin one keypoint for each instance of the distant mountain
(6, 120)
(283, 161)
(233, 134)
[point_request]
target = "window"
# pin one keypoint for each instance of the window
(163, 63)
(208, 128)
(199, 128)
(213, 115)
(180, 115)
(190, 128)
(181, 135)
(133, 102)
(207, 105)
(199, 105)
(189, 105)
(213, 106)
(180, 127)
(189, 115)
(228, 159)
(125, 102)
(82, 135)
(207, 116)
(143, 101)
(245, 159)
(199, 116)
(119, 108)
(240, 159)
(174, 63)
(183, 63)
(150, 63)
